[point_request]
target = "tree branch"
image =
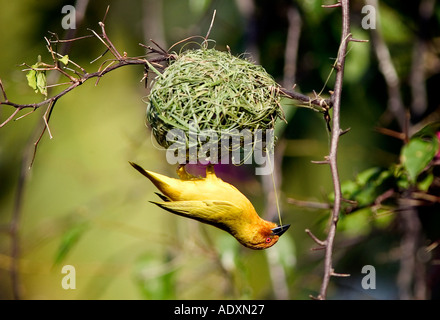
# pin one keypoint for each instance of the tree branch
(81, 76)
(332, 157)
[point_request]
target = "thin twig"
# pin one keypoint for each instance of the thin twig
(210, 26)
(3, 90)
(336, 5)
(11, 116)
(321, 243)
(319, 102)
(332, 157)
(110, 45)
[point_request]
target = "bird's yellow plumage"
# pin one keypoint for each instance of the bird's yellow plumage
(211, 200)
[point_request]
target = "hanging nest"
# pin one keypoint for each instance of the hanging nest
(209, 91)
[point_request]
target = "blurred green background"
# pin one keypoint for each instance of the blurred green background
(83, 205)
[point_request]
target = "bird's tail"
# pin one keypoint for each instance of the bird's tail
(161, 182)
(142, 170)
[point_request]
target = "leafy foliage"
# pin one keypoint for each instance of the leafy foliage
(379, 190)
(36, 77)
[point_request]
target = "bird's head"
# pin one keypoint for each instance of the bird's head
(266, 236)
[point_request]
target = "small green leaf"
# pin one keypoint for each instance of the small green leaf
(368, 185)
(356, 224)
(32, 79)
(367, 175)
(416, 155)
(429, 131)
(367, 195)
(64, 60)
(349, 188)
(37, 78)
(41, 82)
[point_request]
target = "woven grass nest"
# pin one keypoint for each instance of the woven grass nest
(209, 90)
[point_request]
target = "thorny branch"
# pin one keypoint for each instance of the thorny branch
(78, 76)
(331, 159)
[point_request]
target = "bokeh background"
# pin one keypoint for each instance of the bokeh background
(82, 204)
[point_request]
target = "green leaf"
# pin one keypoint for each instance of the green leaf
(429, 131)
(64, 60)
(37, 78)
(367, 195)
(349, 188)
(365, 176)
(41, 82)
(357, 223)
(368, 185)
(32, 79)
(416, 155)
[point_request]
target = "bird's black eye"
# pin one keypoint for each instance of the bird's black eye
(268, 239)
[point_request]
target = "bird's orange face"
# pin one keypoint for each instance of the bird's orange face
(268, 242)
(266, 238)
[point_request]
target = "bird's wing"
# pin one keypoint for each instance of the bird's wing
(215, 212)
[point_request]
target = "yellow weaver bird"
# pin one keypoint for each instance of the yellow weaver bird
(211, 200)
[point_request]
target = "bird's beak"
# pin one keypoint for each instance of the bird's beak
(278, 231)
